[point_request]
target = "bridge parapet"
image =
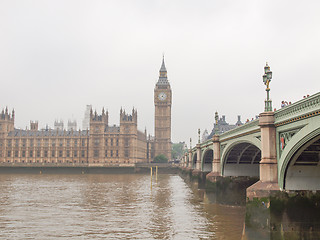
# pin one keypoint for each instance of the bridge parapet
(242, 130)
(248, 128)
(299, 110)
(206, 143)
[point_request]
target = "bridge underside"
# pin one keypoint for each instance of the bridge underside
(194, 161)
(207, 161)
(303, 171)
(243, 160)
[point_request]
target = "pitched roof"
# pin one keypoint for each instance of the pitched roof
(163, 79)
(46, 133)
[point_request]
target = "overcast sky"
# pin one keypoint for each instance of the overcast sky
(58, 56)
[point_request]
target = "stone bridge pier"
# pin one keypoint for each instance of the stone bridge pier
(268, 182)
(198, 176)
(190, 166)
(216, 167)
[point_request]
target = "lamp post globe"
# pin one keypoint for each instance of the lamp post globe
(267, 76)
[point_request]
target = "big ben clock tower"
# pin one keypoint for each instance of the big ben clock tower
(162, 116)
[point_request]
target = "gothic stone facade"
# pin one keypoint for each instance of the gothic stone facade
(162, 126)
(102, 145)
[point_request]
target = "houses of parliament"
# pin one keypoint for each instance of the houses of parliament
(100, 145)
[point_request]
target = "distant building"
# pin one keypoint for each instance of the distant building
(72, 125)
(103, 144)
(205, 135)
(86, 119)
(221, 126)
(58, 125)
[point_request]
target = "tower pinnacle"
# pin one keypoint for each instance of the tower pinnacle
(163, 66)
(163, 79)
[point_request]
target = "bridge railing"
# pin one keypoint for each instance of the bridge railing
(245, 128)
(304, 106)
(206, 143)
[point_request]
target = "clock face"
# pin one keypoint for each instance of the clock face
(162, 96)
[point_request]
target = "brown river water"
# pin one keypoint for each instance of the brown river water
(122, 206)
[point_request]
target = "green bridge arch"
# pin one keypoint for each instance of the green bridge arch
(194, 159)
(306, 136)
(251, 143)
(206, 158)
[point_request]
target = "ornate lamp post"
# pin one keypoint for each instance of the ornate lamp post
(267, 76)
(216, 127)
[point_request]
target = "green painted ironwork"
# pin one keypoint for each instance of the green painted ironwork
(297, 123)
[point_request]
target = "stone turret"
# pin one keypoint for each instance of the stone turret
(58, 125)
(124, 117)
(128, 123)
(34, 126)
(6, 121)
(72, 125)
(99, 123)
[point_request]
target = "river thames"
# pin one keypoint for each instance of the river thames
(110, 206)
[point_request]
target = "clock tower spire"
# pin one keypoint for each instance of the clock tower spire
(162, 102)
(163, 79)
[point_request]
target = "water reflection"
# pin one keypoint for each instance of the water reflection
(110, 207)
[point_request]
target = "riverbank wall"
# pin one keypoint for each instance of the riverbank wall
(284, 215)
(221, 190)
(279, 214)
(86, 169)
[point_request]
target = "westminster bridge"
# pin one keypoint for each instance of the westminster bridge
(281, 151)
(286, 141)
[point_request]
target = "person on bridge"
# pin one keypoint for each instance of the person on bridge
(284, 103)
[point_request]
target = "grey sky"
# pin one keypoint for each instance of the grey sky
(58, 56)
